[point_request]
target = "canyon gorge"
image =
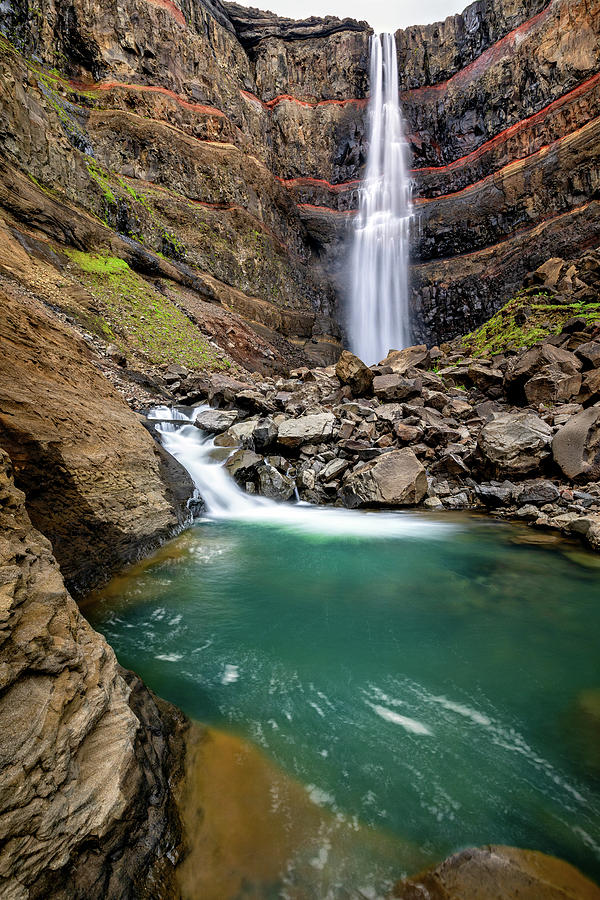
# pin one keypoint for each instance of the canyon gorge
(179, 183)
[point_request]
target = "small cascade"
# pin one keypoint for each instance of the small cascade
(379, 310)
(224, 500)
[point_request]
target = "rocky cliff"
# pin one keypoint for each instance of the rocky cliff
(89, 759)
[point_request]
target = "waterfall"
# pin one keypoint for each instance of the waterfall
(379, 313)
(225, 501)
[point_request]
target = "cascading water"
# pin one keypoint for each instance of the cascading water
(379, 312)
(224, 500)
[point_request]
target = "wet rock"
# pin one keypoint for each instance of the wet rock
(515, 443)
(576, 446)
(395, 479)
(274, 484)
(501, 873)
(243, 466)
(264, 434)
(215, 421)
(306, 429)
(395, 387)
(352, 371)
(552, 385)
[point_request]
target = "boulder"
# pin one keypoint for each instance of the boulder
(394, 479)
(306, 429)
(238, 435)
(526, 365)
(243, 465)
(515, 443)
(216, 421)
(501, 873)
(488, 379)
(264, 434)
(334, 470)
(395, 387)
(399, 361)
(274, 484)
(538, 494)
(590, 387)
(223, 389)
(589, 354)
(352, 371)
(495, 494)
(576, 446)
(552, 385)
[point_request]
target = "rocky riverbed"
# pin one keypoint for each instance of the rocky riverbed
(515, 434)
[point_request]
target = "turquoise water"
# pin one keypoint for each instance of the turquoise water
(429, 686)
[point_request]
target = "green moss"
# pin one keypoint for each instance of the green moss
(524, 321)
(140, 317)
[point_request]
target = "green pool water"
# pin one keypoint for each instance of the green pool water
(437, 685)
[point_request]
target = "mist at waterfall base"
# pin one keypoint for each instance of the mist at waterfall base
(424, 678)
(379, 316)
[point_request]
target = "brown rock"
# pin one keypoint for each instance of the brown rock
(576, 446)
(395, 479)
(525, 366)
(551, 385)
(499, 873)
(589, 354)
(395, 387)
(515, 443)
(399, 361)
(352, 371)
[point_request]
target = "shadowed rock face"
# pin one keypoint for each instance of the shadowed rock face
(89, 757)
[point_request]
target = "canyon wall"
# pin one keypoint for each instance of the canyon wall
(232, 142)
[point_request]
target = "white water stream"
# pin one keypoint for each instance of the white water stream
(224, 500)
(379, 309)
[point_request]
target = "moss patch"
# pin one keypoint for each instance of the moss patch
(139, 316)
(524, 321)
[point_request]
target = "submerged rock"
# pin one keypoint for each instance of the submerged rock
(499, 873)
(394, 479)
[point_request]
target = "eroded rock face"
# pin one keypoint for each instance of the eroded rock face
(84, 745)
(96, 484)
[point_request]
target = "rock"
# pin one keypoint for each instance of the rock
(399, 361)
(495, 494)
(395, 387)
(547, 275)
(216, 421)
(487, 379)
(515, 443)
(306, 429)
(274, 484)
(395, 479)
(90, 760)
(334, 470)
(590, 387)
(243, 465)
(499, 873)
(524, 367)
(390, 412)
(576, 446)
(538, 493)
(264, 434)
(352, 371)
(589, 354)
(551, 385)
(433, 503)
(223, 389)
(407, 434)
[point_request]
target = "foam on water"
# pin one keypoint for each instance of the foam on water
(225, 501)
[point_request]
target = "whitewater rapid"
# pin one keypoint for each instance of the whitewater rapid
(224, 500)
(379, 304)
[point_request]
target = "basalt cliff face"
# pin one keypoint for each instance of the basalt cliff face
(232, 142)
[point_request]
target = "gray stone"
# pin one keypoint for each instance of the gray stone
(395, 387)
(576, 446)
(495, 494)
(264, 434)
(589, 354)
(243, 465)
(515, 443)
(274, 484)
(216, 421)
(306, 429)
(538, 493)
(399, 361)
(395, 479)
(551, 385)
